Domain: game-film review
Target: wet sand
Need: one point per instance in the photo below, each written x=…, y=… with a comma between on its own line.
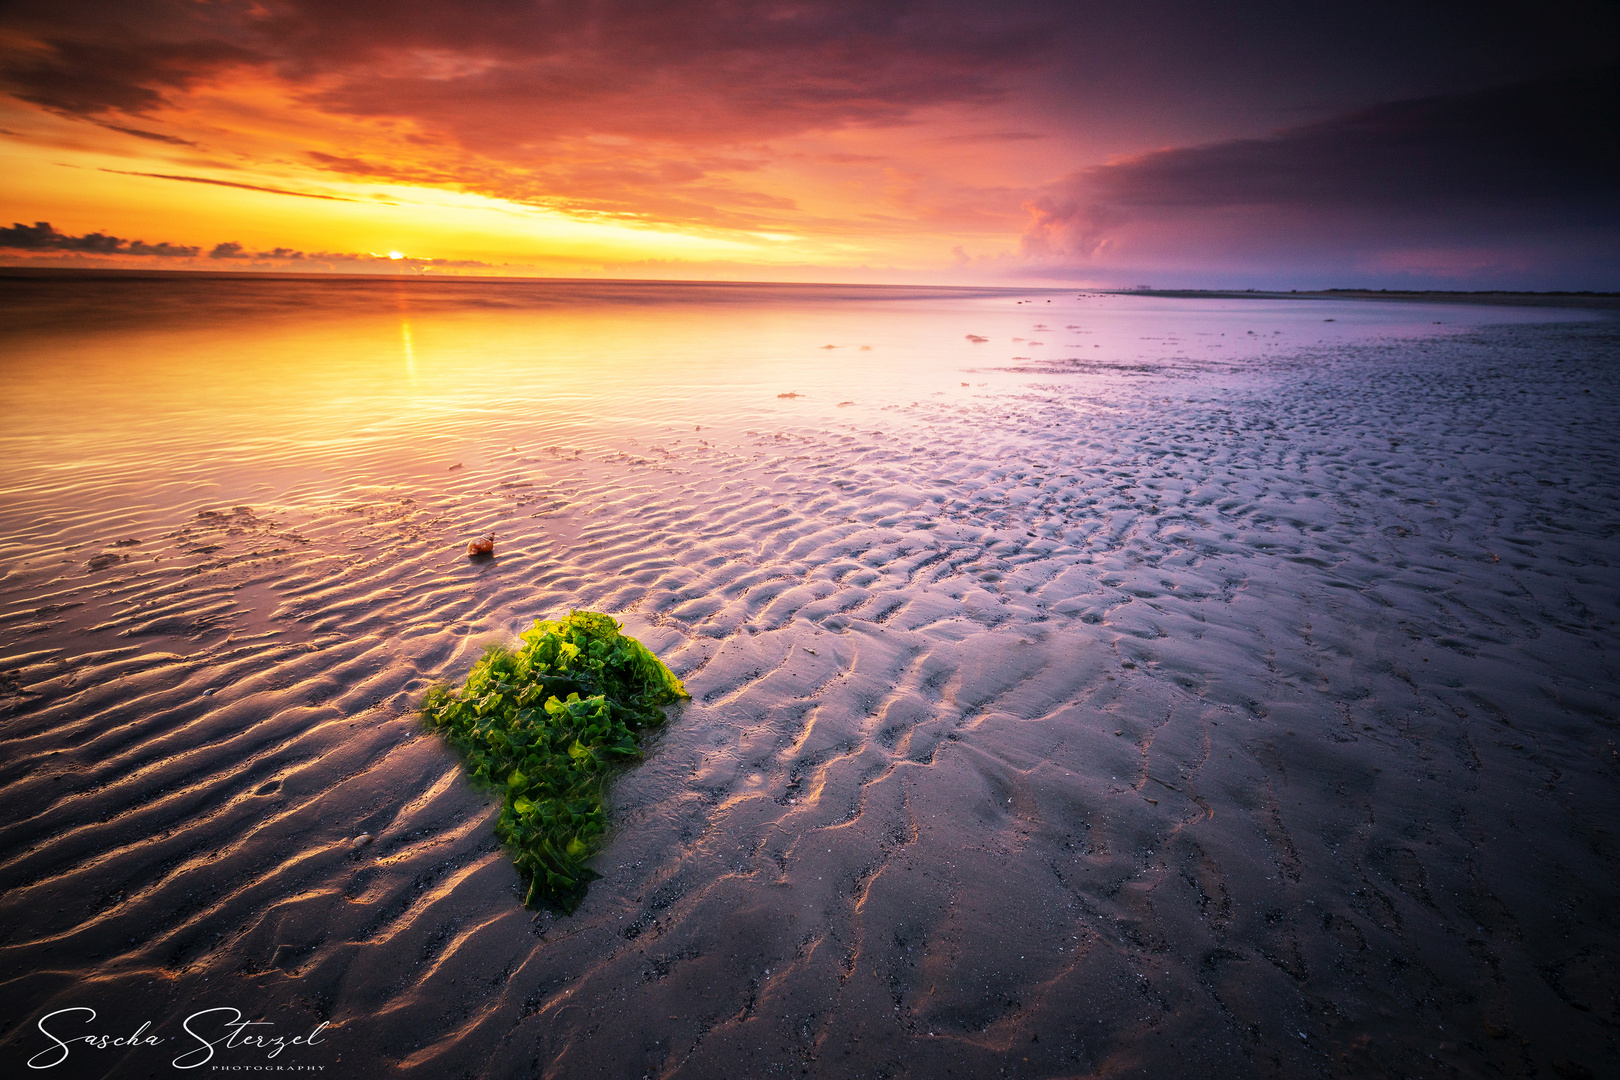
x=1167, y=715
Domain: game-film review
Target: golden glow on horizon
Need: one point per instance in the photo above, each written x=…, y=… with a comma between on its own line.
x=85, y=190
x=253, y=179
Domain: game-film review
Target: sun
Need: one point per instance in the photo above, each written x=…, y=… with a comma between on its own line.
x=396, y=254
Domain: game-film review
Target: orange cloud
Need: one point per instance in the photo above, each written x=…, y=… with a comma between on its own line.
x=919, y=135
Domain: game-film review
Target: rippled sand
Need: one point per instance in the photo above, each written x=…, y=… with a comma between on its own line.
x=1245, y=713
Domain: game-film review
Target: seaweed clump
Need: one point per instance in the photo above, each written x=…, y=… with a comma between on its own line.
x=547, y=723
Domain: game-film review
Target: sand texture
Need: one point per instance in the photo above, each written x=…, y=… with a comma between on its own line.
x=1252, y=717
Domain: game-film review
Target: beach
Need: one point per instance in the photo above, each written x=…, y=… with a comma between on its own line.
x=1156, y=686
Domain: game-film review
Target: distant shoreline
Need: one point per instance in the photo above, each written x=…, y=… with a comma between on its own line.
x=1607, y=301
x=1600, y=300
x=85, y=273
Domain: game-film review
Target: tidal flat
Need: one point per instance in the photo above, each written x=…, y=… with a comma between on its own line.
x=1081, y=684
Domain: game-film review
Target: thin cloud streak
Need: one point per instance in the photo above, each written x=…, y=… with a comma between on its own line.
x=152, y=136
x=230, y=184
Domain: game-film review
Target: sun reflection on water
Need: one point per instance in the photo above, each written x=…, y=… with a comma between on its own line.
x=240, y=380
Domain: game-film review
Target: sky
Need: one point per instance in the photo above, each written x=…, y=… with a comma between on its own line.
x=1173, y=144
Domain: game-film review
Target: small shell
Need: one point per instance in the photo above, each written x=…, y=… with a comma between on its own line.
x=484, y=545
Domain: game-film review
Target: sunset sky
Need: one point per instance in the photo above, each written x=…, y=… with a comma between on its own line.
x=1267, y=144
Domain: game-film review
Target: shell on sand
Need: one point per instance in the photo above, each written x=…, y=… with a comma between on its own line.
x=484, y=545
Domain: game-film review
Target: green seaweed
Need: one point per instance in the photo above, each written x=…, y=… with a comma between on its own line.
x=547, y=724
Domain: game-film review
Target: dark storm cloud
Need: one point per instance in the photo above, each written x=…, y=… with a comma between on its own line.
x=500, y=73
x=704, y=73
x=519, y=83
x=523, y=69
x=1504, y=161
x=76, y=76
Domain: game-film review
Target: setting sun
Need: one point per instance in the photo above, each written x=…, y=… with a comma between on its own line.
x=1031, y=143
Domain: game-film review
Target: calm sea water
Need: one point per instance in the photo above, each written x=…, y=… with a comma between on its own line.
x=248, y=384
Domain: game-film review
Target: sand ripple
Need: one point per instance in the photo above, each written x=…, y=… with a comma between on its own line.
x=1250, y=719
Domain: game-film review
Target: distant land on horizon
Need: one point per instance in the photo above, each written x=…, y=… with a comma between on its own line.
x=1548, y=298
x=1551, y=298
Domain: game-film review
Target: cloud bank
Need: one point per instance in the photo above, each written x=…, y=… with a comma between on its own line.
x=1523, y=174
x=41, y=237
x=1075, y=138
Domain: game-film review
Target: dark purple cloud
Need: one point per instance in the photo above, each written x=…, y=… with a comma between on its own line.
x=1554, y=139
x=497, y=71
x=497, y=74
x=1535, y=163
